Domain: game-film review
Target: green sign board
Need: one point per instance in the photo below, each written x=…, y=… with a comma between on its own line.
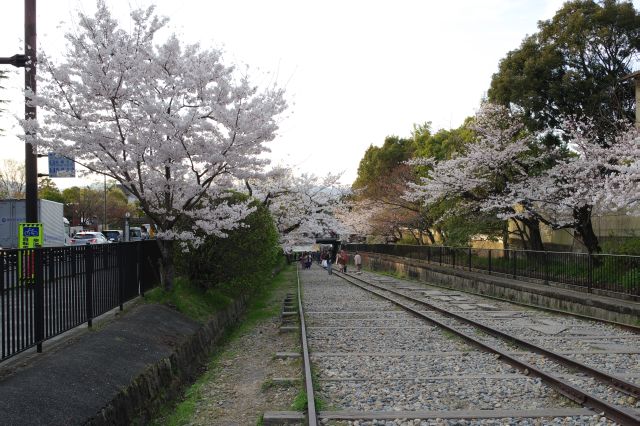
x=30, y=235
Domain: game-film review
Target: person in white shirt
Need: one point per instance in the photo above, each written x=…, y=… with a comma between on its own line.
x=357, y=259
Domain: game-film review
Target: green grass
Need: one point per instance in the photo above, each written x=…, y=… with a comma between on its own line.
x=190, y=300
x=258, y=309
x=300, y=401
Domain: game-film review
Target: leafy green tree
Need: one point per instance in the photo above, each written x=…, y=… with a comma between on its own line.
x=573, y=67
x=48, y=190
x=444, y=143
x=384, y=178
x=378, y=161
x=83, y=205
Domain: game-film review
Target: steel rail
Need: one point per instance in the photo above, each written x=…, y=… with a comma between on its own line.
x=621, y=415
x=630, y=327
x=312, y=416
x=621, y=384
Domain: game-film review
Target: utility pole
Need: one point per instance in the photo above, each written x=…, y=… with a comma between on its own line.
x=636, y=78
x=104, y=223
x=30, y=157
x=28, y=62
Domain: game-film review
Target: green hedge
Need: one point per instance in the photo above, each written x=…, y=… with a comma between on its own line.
x=238, y=263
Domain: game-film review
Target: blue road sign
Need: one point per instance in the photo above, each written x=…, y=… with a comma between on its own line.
x=30, y=231
x=61, y=166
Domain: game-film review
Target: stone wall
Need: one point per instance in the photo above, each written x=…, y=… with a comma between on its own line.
x=165, y=380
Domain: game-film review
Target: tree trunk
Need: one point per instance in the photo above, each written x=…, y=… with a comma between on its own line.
x=432, y=238
x=533, y=234
x=524, y=238
x=167, y=268
x=505, y=240
x=584, y=228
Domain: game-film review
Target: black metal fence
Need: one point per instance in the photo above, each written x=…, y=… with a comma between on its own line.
x=47, y=291
x=615, y=273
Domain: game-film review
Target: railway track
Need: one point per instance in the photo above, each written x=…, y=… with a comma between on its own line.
x=384, y=350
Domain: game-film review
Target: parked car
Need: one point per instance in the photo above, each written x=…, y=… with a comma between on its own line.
x=87, y=237
x=114, y=235
x=135, y=234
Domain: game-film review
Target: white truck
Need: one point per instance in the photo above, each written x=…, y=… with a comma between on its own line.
x=50, y=214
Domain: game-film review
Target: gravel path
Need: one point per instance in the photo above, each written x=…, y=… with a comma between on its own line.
x=370, y=356
x=573, y=336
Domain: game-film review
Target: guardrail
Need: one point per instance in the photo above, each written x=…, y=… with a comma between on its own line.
x=614, y=273
x=47, y=291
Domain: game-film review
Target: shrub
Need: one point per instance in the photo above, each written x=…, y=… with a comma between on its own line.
x=238, y=262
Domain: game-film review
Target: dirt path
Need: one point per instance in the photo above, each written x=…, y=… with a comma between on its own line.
x=241, y=389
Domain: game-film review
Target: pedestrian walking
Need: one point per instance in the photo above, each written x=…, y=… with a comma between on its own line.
x=329, y=264
x=344, y=260
x=357, y=260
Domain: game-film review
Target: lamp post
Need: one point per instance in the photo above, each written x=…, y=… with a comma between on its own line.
x=126, y=226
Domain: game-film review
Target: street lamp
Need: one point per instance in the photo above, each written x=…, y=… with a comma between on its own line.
x=126, y=226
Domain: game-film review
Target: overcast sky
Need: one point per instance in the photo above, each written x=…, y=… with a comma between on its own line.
x=354, y=71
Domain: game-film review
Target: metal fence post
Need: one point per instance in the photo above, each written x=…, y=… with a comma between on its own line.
x=453, y=257
x=121, y=274
x=74, y=260
x=138, y=281
x=105, y=257
x=469, y=258
x=88, y=281
x=39, y=298
x=489, y=261
x=515, y=259
x=429, y=254
x=590, y=274
x=546, y=268
x=441, y=248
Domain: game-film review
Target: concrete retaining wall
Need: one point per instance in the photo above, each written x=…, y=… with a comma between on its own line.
x=547, y=296
x=164, y=380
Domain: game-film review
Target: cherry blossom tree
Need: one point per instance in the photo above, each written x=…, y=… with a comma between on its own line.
x=593, y=179
x=172, y=123
x=303, y=206
x=483, y=170
x=358, y=216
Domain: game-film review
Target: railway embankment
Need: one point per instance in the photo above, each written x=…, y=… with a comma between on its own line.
x=610, y=306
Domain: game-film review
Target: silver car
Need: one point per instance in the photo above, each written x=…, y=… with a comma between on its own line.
x=86, y=237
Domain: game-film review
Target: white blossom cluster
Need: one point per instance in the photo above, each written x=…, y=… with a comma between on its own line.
x=170, y=122
x=509, y=172
x=595, y=177
x=358, y=217
x=497, y=157
x=303, y=206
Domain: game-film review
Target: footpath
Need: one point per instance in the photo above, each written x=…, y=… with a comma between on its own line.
x=77, y=380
